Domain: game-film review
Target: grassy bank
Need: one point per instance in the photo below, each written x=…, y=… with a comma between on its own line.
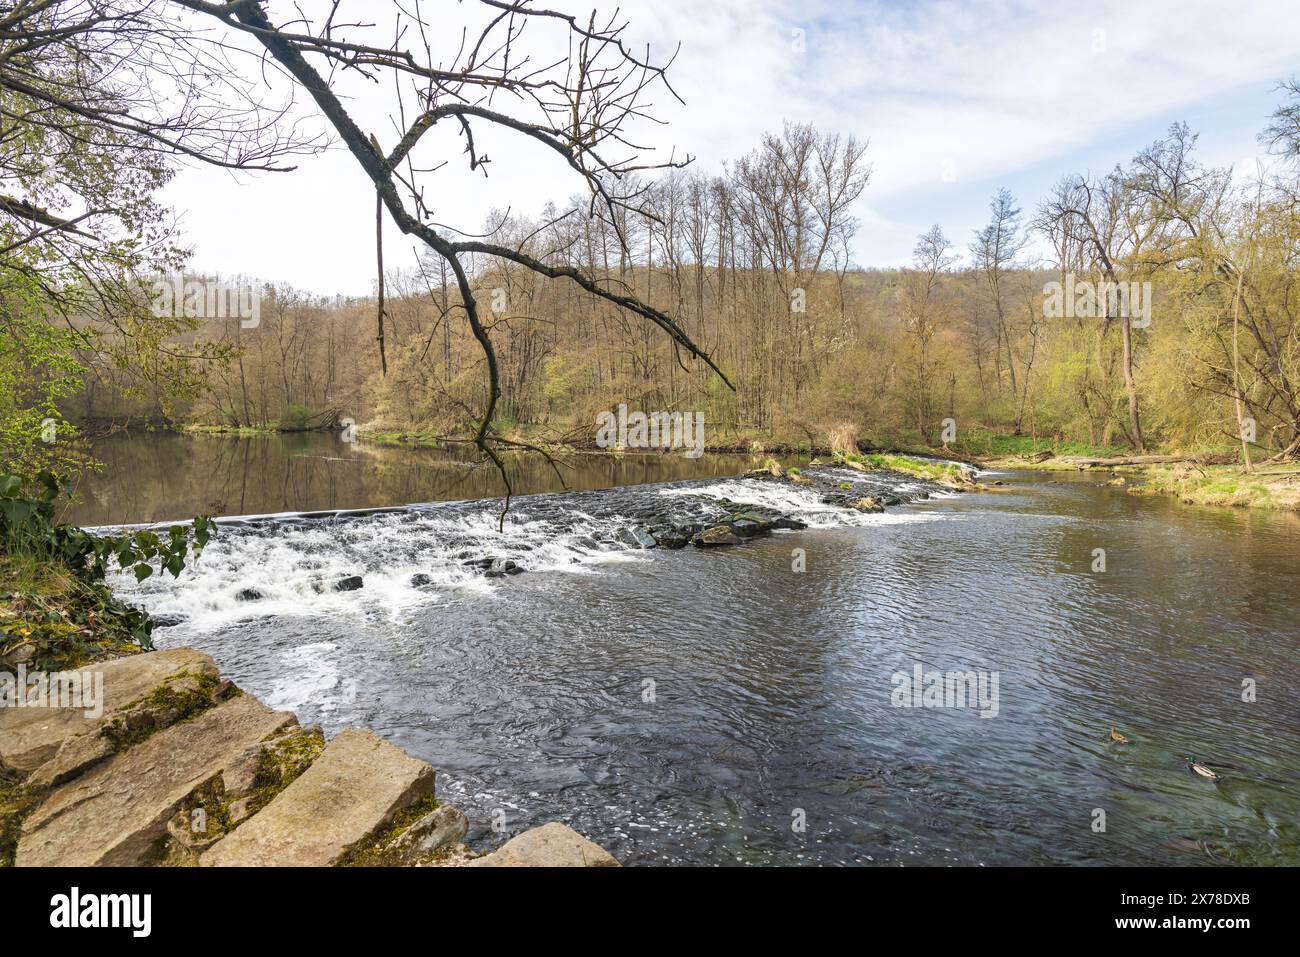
x=229, y=430
x=50, y=620
x=56, y=608
x=1000, y=450
x=945, y=473
x=1273, y=486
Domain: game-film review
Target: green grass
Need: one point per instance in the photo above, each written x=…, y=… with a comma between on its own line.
x=421, y=440
x=985, y=443
x=1276, y=487
x=28, y=575
x=230, y=430
x=60, y=621
x=944, y=472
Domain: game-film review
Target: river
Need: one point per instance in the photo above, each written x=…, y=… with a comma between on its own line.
x=723, y=706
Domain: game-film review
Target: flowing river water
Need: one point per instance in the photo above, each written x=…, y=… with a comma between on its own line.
x=722, y=706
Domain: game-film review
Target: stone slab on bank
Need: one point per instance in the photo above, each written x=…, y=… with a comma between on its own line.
x=551, y=845
x=351, y=791
x=31, y=736
x=114, y=813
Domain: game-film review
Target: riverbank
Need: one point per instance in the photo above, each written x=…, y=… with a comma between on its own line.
x=527, y=438
x=1197, y=480
x=1274, y=486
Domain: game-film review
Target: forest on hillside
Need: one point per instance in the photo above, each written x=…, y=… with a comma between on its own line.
x=1024, y=328
x=756, y=266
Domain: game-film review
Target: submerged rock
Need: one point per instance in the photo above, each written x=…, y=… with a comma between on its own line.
x=420, y=580
x=638, y=537
x=672, y=536
x=503, y=566
x=248, y=594
x=749, y=526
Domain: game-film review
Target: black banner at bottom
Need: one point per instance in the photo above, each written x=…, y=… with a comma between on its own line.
x=143, y=906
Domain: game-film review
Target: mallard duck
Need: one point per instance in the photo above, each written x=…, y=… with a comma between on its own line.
x=1198, y=768
x=1117, y=738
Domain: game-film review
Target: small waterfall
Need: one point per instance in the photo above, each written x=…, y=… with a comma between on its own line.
x=382, y=561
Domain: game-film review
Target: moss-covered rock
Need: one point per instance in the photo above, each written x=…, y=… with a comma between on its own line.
x=382, y=849
x=16, y=802
x=179, y=698
x=279, y=764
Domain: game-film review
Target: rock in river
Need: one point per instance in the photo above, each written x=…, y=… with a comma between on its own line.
x=716, y=535
x=551, y=845
x=503, y=566
x=638, y=537
x=672, y=536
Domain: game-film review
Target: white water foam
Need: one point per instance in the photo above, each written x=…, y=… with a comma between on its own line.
x=290, y=567
x=293, y=566
x=308, y=675
x=801, y=502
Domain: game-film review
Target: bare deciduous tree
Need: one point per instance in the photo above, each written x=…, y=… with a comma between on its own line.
x=582, y=106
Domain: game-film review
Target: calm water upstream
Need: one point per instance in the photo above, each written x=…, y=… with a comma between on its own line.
x=689, y=706
x=157, y=477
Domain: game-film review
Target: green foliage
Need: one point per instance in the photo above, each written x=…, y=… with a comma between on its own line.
x=944, y=472
x=296, y=417
x=77, y=303
x=38, y=369
x=82, y=610
x=27, y=526
x=986, y=443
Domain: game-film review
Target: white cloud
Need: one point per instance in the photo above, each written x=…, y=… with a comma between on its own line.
x=1002, y=90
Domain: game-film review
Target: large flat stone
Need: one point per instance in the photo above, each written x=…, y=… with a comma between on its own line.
x=31, y=736
x=351, y=791
x=113, y=814
x=551, y=845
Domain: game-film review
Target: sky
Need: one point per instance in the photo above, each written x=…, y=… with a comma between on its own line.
x=955, y=100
